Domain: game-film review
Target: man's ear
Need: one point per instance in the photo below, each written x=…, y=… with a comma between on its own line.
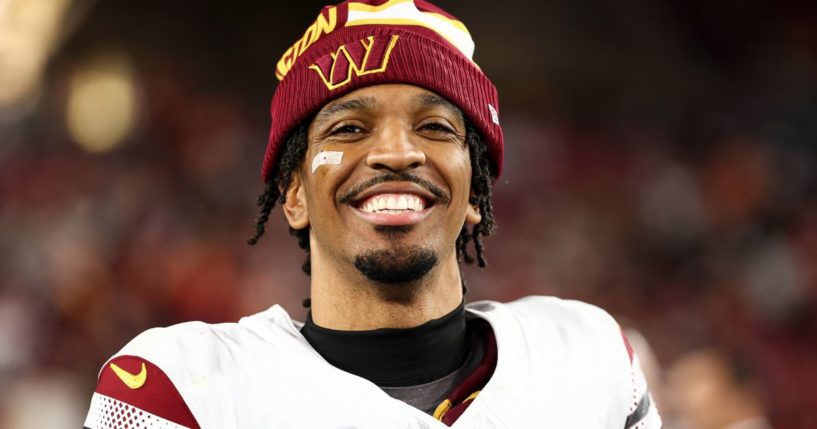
x=472, y=215
x=296, y=209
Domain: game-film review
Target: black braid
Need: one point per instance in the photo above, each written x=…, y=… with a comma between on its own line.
x=276, y=186
x=481, y=180
x=482, y=176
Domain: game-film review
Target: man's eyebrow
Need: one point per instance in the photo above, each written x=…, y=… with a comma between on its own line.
x=433, y=100
x=362, y=103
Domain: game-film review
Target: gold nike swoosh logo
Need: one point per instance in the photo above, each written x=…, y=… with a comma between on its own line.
x=134, y=381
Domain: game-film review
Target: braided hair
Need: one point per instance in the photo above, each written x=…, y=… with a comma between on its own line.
x=294, y=150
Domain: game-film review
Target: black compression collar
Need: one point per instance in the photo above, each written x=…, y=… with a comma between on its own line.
x=391, y=357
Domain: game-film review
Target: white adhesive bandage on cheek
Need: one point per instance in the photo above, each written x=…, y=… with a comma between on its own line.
x=326, y=157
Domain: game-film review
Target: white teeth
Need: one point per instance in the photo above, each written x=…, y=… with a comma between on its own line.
x=393, y=202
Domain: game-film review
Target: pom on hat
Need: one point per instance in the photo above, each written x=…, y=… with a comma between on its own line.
x=362, y=43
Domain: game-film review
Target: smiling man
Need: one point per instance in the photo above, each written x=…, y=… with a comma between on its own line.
x=383, y=222
x=384, y=144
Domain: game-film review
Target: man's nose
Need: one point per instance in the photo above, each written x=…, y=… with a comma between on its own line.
x=396, y=149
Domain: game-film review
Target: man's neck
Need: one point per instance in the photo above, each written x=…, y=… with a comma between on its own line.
x=351, y=302
x=396, y=357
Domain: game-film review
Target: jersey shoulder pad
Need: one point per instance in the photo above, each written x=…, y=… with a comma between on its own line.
x=592, y=330
x=138, y=382
x=133, y=392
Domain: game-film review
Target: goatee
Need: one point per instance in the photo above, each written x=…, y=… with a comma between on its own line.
x=396, y=265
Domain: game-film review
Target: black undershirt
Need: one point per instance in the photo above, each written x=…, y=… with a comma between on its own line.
x=391, y=357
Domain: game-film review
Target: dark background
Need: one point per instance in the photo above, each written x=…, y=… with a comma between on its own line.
x=660, y=163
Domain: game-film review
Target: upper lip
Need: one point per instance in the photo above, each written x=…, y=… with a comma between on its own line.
x=394, y=188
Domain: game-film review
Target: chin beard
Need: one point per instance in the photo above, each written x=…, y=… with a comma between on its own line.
x=396, y=265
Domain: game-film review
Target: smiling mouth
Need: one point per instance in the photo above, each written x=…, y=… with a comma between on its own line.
x=393, y=203
x=394, y=199
x=393, y=208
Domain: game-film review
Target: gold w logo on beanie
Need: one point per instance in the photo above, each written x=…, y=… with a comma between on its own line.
x=366, y=56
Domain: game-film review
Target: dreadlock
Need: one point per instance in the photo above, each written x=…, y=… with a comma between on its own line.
x=482, y=176
x=276, y=187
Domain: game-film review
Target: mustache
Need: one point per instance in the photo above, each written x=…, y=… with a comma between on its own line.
x=350, y=195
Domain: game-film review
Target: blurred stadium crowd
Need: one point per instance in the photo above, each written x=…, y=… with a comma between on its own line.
x=661, y=162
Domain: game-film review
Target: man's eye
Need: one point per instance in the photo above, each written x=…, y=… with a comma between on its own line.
x=346, y=129
x=436, y=127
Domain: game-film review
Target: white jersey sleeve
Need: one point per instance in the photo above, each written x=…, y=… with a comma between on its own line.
x=134, y=388
x=580, y=358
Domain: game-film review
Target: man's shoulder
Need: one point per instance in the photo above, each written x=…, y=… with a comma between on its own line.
x=572, y=349
x=163, y=375
x=142, y=379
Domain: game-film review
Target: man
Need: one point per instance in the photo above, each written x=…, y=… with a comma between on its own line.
x=384, y=144
x=716, y=389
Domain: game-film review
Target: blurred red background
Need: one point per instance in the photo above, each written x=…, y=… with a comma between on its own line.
x=660, y=163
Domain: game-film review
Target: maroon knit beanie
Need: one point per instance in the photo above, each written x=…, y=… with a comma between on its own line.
x=361, y=43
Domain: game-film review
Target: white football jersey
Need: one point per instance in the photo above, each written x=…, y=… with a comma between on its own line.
x=561, y=364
